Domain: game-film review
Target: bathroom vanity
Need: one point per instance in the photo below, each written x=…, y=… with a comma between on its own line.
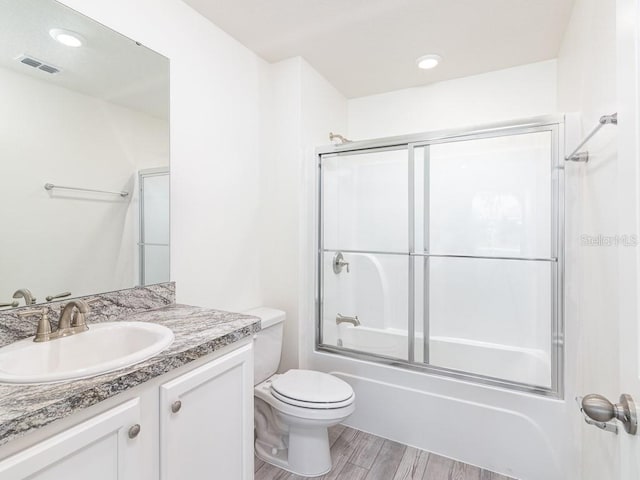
x=187, y=410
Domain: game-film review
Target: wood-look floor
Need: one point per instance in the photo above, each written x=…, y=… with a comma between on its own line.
x=360, y=456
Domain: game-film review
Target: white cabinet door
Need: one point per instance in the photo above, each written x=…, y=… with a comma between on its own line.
x=97, y=449
x=206, y=421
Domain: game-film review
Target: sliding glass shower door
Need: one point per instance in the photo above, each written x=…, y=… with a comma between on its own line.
x=444, y=254
x=365, y=255
x=484, y=255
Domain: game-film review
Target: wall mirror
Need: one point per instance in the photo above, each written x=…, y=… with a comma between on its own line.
x=84, y=146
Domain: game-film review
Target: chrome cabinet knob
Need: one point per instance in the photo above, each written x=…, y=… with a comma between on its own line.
x=600, y=409
x=176, y=406
x=134, y=430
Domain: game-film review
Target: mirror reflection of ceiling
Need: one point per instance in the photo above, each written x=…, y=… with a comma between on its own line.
x=365, y=47
x=105, y=66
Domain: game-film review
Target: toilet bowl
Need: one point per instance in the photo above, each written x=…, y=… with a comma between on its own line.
x=293, y=410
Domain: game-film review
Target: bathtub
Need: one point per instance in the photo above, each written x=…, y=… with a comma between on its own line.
x=525, y=365
x=521, y=435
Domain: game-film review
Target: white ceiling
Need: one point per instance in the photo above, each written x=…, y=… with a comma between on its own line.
x=109, y=65
x=365, y=47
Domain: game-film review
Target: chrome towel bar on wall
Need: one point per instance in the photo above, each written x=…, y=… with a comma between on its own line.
x=577, y=155
x=51, y=186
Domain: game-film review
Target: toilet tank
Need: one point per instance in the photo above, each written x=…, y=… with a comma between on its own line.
x=267, y=346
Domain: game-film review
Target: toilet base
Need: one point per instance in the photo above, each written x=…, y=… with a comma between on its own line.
x=307, y=455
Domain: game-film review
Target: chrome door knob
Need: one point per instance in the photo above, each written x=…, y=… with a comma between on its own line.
x=176, y=406
x=600, y=409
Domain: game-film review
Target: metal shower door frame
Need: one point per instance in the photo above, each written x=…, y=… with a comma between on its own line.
x=552, y=124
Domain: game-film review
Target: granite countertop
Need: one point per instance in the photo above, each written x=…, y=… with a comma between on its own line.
x=198, y=332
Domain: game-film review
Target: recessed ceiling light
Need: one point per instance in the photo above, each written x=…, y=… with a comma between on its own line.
x=427, y=62
x=66, y=37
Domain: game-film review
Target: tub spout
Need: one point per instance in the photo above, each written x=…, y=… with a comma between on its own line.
x=344, y=319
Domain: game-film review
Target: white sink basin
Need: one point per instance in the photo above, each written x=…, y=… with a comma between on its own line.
x=103, y=348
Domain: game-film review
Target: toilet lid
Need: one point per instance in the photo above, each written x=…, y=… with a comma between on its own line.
x=312, y=387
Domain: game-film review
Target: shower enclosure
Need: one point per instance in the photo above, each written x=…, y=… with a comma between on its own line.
x=444, y=252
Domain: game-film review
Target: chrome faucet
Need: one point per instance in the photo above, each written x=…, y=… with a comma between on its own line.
x=70, y=322
x=344, y=319
x=29, y=299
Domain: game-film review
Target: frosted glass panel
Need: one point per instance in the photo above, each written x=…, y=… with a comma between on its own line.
x=156, y=208
x=365, y=201
x=489, y=197
x=488, y=317
x=375, y=289
x=156, y=264
x=154, y=224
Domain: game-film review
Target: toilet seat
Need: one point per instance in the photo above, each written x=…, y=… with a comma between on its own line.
x=311, y=389
x=264, y=392
x=312, y=405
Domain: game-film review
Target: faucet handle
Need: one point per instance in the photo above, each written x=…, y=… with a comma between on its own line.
x=33, y=312
x=339, y=263
x=43, y=332
x=343, y=264
x=49, y=298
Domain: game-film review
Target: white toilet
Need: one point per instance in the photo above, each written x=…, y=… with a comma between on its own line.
x=293, y=410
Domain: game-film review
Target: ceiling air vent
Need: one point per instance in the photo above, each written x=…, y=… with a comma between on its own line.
x=35, y=63
x=48, y=69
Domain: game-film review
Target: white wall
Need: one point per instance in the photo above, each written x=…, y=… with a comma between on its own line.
x=518, y=92
x=305, y=109
x=279, y=215
x=587, y=84
x=217, y=88
x=53, y=135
